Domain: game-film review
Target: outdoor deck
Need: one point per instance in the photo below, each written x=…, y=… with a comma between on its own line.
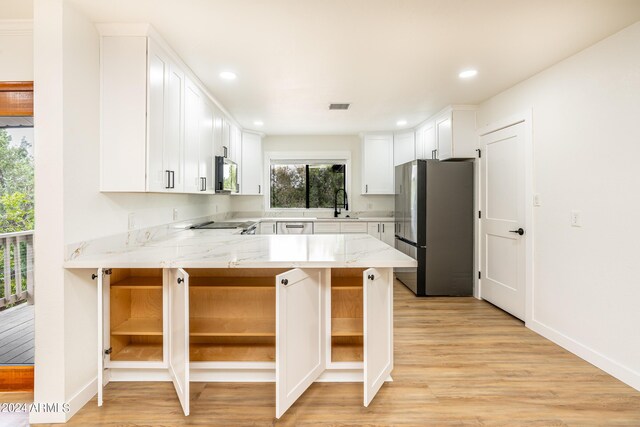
x=16, y=335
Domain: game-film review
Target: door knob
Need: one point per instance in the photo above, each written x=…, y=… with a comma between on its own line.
x=519, y=231
x=180, y=280
x=284, y=282
x=371, y=277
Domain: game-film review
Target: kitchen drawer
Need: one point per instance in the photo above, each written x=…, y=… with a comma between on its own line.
x=326, y=228
x=353, y=227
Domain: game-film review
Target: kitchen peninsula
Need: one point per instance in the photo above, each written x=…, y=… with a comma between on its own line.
x=197, y=305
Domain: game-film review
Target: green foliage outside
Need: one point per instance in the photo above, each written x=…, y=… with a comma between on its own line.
x=289, y=185
x=16, y=185
x=16, y=200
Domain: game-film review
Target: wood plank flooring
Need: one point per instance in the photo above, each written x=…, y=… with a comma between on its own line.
x=458, y=361
x=17, y=335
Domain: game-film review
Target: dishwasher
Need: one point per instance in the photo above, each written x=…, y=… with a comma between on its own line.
x=302, y=227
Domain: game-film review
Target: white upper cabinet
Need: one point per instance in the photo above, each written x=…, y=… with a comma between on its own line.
x=159, y=130
x=426, y=141
x=251, y=160
x=455, y=131
x=193, y=103
x=206, y=158
x=403, y=147
x=377, y=164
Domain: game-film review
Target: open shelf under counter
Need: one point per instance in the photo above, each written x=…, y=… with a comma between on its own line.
x=232, y=327
x=140, y=327
x=139, y=352
x=232, y=352
x=346, y=327
x=346, y=283
x=139, y=282
x=347, y=352
x=232, y=282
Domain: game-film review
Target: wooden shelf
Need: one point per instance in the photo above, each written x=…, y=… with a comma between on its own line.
x=139, y=353
x=246, y=327
x=346, y=327
x=139, y=326
x=249, y=352
x=233, y=282
x=347, y=352
x=139, y=283
x=344, y=283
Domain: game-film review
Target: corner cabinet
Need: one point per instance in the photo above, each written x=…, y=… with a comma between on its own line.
x=404, y=147
x=292, y=327
x=377, y=164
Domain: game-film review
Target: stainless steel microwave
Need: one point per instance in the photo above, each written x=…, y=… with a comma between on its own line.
x=226, y=175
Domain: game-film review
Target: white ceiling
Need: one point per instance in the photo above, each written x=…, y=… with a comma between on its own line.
x=392, y=59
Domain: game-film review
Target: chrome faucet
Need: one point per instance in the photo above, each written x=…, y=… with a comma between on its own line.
x=345, y=203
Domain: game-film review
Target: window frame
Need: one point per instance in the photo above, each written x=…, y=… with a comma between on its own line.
x=304, y=157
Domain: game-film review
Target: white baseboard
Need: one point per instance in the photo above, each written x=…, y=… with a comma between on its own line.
x=81, y=398
x=613, y=368
x=77, y=401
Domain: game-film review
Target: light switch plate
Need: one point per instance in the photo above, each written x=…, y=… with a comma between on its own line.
x=576, y=219
x=536, y=200
x=131, y=222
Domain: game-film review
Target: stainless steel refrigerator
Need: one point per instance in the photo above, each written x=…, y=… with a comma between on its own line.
x=434, y=225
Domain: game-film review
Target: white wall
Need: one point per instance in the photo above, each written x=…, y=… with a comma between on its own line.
x=69, y=207
x=357, y=202
x=586, y=143
x=16, y=55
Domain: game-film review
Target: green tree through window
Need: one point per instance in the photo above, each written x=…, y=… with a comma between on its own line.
x=305, y=186
x=16, y=184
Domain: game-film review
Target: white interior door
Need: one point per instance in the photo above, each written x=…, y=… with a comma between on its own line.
x=103, y=330
x=179, y=334
x=378, y=330
x=299, y=348
x=503, y=218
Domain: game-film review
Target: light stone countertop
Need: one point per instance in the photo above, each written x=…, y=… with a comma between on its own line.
x=224, y=249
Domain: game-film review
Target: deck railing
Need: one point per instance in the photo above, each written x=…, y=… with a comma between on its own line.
x=16, y=268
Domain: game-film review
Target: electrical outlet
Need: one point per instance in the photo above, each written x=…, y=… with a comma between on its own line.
x=576, y=219
x=131, y=223
x=175, y=214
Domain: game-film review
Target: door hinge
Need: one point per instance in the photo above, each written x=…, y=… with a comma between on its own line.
x=479, y=152
x=479, y=274
x=480, y=214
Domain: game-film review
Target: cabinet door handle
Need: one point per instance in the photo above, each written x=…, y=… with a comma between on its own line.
x=204, y=186
x=173, y=179
x=371, y=277
x=383, y=228
x=284, y=282
x=168, y=184
x=366, y=188
x=225, y=151
x=378, y=228
x=259, y=189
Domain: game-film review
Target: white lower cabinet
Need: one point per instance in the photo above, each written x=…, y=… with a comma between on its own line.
x=228, y=325
x=383, y=231
x=267, y=228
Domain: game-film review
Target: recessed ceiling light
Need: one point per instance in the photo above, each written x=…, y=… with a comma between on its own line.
x=258, y=123
x=401, y=122
x=228, y=75
x=467, y=74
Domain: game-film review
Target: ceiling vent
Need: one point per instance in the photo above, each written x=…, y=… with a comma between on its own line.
x=339, y=106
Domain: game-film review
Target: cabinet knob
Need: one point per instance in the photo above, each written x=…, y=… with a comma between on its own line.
x=284, y=282
x=371, y=277
x=180, y=280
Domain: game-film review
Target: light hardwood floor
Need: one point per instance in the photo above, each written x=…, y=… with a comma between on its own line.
x=458, y=361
